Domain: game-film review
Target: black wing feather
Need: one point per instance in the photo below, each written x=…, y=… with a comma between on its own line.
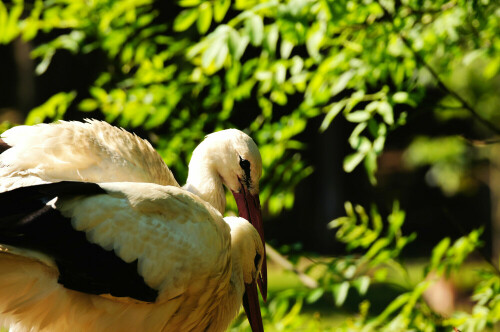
x=4, y=146
x=27, y=222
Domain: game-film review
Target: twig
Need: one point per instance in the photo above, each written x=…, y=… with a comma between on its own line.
x=279, y=259
x=462, y=232
x=479, y=142
x=443, y=86
x=440, y=83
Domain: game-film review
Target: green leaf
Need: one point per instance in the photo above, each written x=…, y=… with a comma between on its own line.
x=286, y=49
x=237, y=44
x=377, y=247
x=255, y=28
x=492, y=68
x=185, y=19
x=315, y=295
x=189, y=3
x=334, y=110
x=99, y=93
x=370, y=163
x=362, y=284
x=88, y=105
x=297, y=65
x=212, y=51
x=358, y=116
x=44, y=64
x=54, y=108
x=378, y=144
x=3, y=23
x=353, y=160
x=400, y=97
x=271, y=38
x=342, y=82
x=204, y=17
x=11, y=29
x=220, y=9
x=385, y=109
x=340, y=293
x=354, y=140
x=279, y=97
x=221, y=56
x=439, y=251
x=393, y=306
x=315, y=36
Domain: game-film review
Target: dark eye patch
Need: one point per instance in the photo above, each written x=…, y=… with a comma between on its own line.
x=257, y=260
x=245, y=165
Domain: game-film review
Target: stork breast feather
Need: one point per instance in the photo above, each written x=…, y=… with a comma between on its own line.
x=173, y=234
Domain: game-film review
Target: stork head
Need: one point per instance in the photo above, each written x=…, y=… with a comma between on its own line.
x=234, y=157
x=247, y=253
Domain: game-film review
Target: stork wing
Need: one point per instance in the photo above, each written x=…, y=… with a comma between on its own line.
x=133, y=240
x=93, y=151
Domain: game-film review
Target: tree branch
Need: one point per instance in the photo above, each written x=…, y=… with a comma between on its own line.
x=279, y=259
x=463, y=233
x=440, y=83
x=480, y=142
x=443, y=86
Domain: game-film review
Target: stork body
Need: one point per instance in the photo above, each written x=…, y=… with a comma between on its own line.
x=137, y=212
x=163, y=270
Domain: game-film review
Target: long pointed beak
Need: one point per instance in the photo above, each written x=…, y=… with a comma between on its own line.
x=249, y=208
x=252, y=307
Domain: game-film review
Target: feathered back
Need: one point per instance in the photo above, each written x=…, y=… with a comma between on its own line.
x=91, y=151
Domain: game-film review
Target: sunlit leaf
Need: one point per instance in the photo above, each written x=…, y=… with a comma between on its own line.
x=53, y=109
x=315, y=295
x=204, y=17
x=333, y=111
x=341, y=82
x=385, y=109
x=255, y=28
x=185, y=19
x=220, y=9
x=353, y=160
x=286, y=48
x=362, y=284
x=88, y=105
x=358, y=116
x=340, y=293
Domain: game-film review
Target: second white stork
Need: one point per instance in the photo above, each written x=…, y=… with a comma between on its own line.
x=95, y=151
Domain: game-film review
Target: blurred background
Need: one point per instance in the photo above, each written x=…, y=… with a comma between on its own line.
x=378, y=123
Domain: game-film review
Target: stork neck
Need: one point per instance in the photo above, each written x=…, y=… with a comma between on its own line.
x=205, y=182
x=232, y=298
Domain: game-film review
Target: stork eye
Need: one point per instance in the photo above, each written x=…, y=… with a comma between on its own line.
x=245, y=164
x=256, y=260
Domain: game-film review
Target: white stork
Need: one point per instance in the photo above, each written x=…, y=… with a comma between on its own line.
x=126, y=248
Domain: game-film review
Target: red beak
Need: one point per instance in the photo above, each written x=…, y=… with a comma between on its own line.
x=249, y=208
x=252, y=307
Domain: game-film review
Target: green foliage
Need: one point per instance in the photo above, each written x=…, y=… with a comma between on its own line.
x=448, y=158
x=359, y=230
x=377, y=247
x=52, y=109
x=359, y=60
x=485, y=313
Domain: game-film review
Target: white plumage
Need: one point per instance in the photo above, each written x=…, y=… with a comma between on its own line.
x=197, y=263
x=91, y=151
